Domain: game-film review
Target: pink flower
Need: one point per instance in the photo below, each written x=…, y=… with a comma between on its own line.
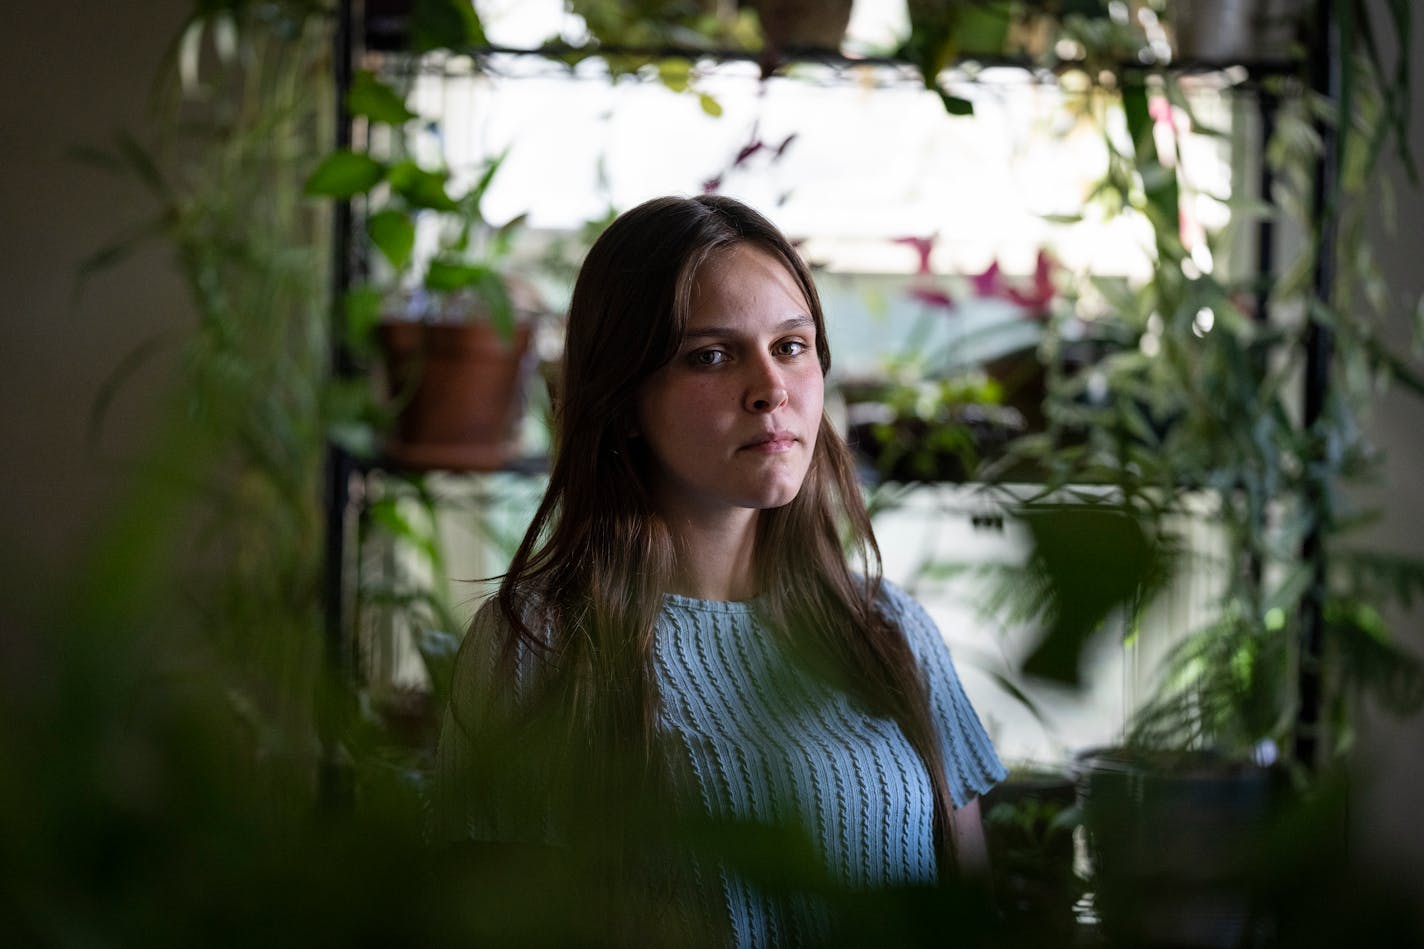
x=991, y=283
x=1160, y=109
x=747, y=151
x=1042, y=293
x=933, y=296
x=922, y=246
x=756, y=144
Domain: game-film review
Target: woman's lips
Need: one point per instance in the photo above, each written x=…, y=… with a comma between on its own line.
x=771, y=443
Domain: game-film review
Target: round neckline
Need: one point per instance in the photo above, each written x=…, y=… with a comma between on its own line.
x=709, y=606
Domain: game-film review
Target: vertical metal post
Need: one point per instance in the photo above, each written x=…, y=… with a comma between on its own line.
x=333, y=783
x=1267, y=104
x=1327, y=63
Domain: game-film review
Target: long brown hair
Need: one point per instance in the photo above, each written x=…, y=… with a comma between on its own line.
x=586, y=584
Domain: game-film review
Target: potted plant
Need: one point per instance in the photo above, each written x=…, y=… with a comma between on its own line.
x=793, y=26
x=942, y=34
x=1171, y=839
x=1029, y=823
x=914, y=429
x=940, y=413
x=652, y=24
x=1233, y=31
x=453, y=323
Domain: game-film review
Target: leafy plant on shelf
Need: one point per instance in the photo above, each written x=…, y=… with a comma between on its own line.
x=941, y=412
x=1195, y=397
x=1045, y=33
x=633, y=39
x=398, y=192
x=466, y=277
x=928, y=428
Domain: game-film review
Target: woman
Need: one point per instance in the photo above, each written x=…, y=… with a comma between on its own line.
x=684, y=592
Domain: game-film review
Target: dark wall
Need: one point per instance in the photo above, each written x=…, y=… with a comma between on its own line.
x=73, y=72
x=1392, y=750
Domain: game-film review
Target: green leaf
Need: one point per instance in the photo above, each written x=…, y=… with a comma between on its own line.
x=117, y=251
x=709, y=105
x=504, y=235
x=475, y=195
x=363, y=312
x=388, y=514
x=421, y=187
x=675, y=73
x=447, y=276
x=1398, y=369
x=983, y=28
x=134, y=360
x=1018, y=694
x=445, y=24
x=1360, y=637
x=1158, y=182
x=955, y=105
x=1090, y=560
x=143, y=164
x=1136, y=422
x=96, y=157
x=377, y=101
x=393, y=233
x=345, y=174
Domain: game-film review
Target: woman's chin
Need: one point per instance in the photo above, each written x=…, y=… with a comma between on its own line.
x=775, y=497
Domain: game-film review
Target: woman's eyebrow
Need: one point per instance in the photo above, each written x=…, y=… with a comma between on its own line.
x=725, y=332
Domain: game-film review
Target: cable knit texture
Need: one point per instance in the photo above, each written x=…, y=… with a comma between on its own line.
x=770, y=743
x=765, y=742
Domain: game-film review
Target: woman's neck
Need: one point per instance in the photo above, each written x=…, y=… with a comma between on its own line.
x=716, y=555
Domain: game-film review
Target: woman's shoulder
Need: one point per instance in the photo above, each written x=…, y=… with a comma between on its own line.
x=495, y=654
x=890, y=595
x=530, y=622
x=906, y=612
x=969, y=755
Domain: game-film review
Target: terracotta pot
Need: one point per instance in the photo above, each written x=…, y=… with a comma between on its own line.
x=1229, y=31
x=791, y=25
x=459, y=388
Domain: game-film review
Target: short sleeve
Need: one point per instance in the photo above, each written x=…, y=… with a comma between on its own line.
x=972, y=765
x=470, y=797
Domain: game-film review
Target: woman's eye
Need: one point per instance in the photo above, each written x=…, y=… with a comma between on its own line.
x=708, y=357
x=790, y=347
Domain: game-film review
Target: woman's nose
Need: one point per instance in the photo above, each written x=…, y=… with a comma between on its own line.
x=767, y=391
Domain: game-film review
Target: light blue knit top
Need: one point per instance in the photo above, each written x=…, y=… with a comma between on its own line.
x=770, y=743
x=766, y=741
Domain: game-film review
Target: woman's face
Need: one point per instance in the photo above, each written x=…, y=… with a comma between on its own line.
x=731, y=421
